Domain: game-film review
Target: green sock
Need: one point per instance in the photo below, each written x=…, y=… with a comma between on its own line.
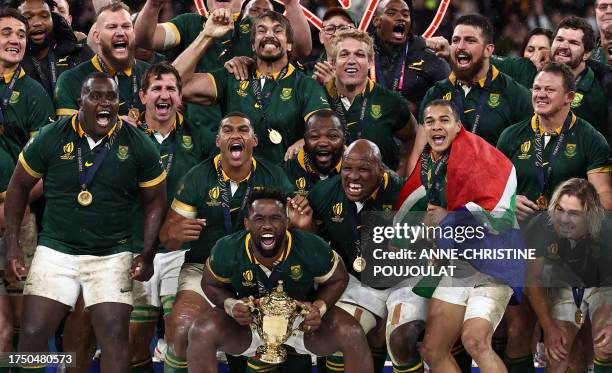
x=379, y=356
x=334, y=364
x=143, y=367
x=520, y=364
x=463, y=359
x=415, y=367
x=499, y=345
x=256, y=366
x=174, y=364
x=602, y=366
x=296, y=363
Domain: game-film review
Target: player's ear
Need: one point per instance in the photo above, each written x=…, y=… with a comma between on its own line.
x=142, y=96
x=255, y=140
x=217, y=141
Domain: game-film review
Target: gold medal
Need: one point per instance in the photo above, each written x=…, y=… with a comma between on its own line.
x=579, y=317
x=359, y=264
x=85, y=198
x=542, y=202
x=275, y=136
x=134, y=113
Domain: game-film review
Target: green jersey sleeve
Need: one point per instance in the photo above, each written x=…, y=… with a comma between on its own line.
x=41, y=108
x=220, y=79
x=429, y=96
x=36, y=154
x=220, y=263
x=66, y=93
x=321, y=259
x=597, y=153
x=504, y=141
x=312, y=97
x=185, y=27
x=187, y=195
x=151, y=171
x=400, y=106
x=522, y=107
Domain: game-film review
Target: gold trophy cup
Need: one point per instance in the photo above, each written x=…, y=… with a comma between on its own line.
x=273, y=318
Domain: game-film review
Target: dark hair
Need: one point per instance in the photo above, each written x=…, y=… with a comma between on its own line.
x=536, y=31
x=265, y=193
x=566, y=73
x=114, y=6
x=50, y=3
x=95, y=75
x=156, y=71
x=239, y=115
x=476, y=20
x=446, y=103
x=274, y=16
x=325, y=114
x=13, y=13
x=577, y=23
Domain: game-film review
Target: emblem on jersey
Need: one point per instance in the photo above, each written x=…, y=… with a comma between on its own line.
x=296, y=272
x=375, y=111
x=570, y=150
x=448, y=96
x=245, y=28
x=387, y=210
x=214, y=194
x=286, y=94
x=122, y=152
x=553, y=248
x=68, y=151
x=577, y=101
x=14, y=97
x=337, y=210
x=248, y=275
x=301, y=183
x=187, y=142
x=525, y=147
x=493, y=100
x=242, y=88
x=416, y=65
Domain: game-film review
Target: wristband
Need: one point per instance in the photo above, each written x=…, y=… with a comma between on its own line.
x=228, y=305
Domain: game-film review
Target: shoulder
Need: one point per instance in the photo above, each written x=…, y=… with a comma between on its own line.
x=306, y=242
x=233, y=242
x=325, y=189
x=188, y=17
x=142, y=66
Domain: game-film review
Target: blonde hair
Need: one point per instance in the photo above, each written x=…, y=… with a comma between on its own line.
x=357, y=35
x=591, y=204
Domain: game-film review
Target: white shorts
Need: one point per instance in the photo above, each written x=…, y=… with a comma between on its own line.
x=480, y=294
x=164, y=281
x=190, y=278
x=404, y=306
x=371, y=299
x=562, y=306
x=296, y=340
x=62, y=277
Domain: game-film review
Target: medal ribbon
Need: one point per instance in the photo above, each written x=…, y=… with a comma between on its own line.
x=400, y=70
x=578, y=294
x=262, y=99
x=543, y=177
x=277, y=271
x=134, y=79
x=433, y=184
x=173, y=144
x=52, y=70
x=367, y=206
x=460, y=102
x=8, y=92
x=85, y=178
x=338, y=108
x=225, y=190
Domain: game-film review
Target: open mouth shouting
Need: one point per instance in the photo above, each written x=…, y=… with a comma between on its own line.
x=268, y=241
x=269, y=45
x=463, y=59
x=399, y=32
x=236, y=149
x=438, y=140
x=120, y=47
x=323, y=156
x=354, y=190
x=38, y=35
x=163, y=109
x=103, y=118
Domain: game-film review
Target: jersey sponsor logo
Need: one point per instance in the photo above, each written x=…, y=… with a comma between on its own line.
x=62, y=61
x=123, y=152
x=337, y=210
x=242, y=88
x=553, y=248
x=214, y=194
x=301, y=183
x=296, y=272
x=376, y=111
x=493, y=100
x=88, y=164
x=416, y=65
x=525, y=147
x=448, y=96
x=570, y=150
x=577, y=101
x=14, y=97
x=187, y=142
x=68, y=151
x=286, y=94
x=245, y=28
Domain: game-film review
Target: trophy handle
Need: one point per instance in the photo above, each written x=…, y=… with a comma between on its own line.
x=251, y=304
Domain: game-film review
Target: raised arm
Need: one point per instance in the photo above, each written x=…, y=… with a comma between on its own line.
x=150, y=34
x=301, y=29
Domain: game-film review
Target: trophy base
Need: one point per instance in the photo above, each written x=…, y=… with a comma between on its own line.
x=272, y=355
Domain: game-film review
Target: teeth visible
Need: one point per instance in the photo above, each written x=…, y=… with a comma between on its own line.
x=267, y=235
x=12, y=50
x=351, y=71
x=163, y=105
x=104, y=112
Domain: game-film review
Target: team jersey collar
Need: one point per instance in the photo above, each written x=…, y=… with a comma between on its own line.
x=586, y=81
x=95, y=60
x=453, y=78
x=227, y=178
x=301, y=158
x=290, y=70
x=178, y=121
x=558, y=129
x=330, y=87
x=283, y=256
x=79, y=130
x=384, y=183
x=7, y=77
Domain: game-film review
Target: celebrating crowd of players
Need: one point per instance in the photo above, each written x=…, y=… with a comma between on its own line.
x=133, y=190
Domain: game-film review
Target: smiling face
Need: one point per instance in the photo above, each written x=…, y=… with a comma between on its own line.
x=468, y=52
x=324, y=142
x=393, y=22
x=270, y=42
x=568, y=48
x=331, y=26
x=441, y=128
x=361, y=171
x=114, y=36
x=569, y=218
x=606, y=43
x=548, y=95
x=38, y=15
x=12, y=41
x=162, y=97
x=535, y=44
x=99, y=106
x=351, y=61
x=267, y=222
x=236, y=141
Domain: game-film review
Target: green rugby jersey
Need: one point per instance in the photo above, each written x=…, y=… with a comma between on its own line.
x=584, y=151
x=386, y=112
x=69, y=84
x=305, y=261
x=104, y=227
x=7, y=165
x=294, y=98
x=521, y=69
x=507, y=103
x=302, y=175
x=29, y=108
x=199, y=196
x=335, y=214
x=187, y=154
